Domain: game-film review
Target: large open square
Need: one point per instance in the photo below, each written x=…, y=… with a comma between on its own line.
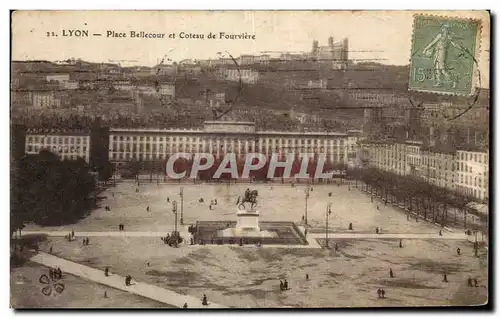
x=276, y=202
x=249, y=276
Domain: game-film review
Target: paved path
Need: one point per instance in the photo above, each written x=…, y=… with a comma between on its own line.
x=416, y=236
x=312, y=238
x=116, y=281
x=334, y=235
x=103, y=234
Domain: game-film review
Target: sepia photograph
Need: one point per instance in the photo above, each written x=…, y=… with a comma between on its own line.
x=249, y=159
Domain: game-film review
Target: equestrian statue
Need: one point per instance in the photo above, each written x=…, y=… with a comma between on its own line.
x=250, y=196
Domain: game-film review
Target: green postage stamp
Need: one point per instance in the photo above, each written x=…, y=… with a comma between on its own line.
x=443, y=55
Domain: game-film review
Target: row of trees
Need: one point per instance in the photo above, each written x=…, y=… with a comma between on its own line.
x=48, y=191
x=426, y=200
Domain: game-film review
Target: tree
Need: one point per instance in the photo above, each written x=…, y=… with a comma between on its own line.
x=48, y=191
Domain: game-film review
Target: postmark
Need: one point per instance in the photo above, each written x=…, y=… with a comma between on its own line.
x=444, y=55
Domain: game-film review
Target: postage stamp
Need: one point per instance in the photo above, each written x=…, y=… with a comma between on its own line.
x=443, y=55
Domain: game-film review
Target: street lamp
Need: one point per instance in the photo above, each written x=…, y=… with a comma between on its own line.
x=182, y=205
x=174, y=209
x=307, y=192
x=328, y=212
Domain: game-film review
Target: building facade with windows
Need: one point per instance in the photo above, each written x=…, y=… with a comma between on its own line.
x=457, y=170
x=219, y=138
x=473, y=173
x=65, y=144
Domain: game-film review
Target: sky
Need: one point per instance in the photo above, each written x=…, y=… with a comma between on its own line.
x=382, y=36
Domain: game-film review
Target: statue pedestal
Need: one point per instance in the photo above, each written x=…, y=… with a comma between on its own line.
x=247, y=220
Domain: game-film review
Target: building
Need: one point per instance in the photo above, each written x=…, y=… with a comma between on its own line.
x=460, y=170
x=335, y=53
x=219, y=138
x=69, y=85
x=65, y=144
x=353, y=138
x=167, y=90
x=247, y=76
x=438, y=168
x=123, y=85
x=22, y=97
x=57, y=78
x=472, y=173
x=146, y=90
x=247, y=59
x=45, y=100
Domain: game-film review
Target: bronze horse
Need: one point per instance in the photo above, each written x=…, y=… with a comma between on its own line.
x=251, y=197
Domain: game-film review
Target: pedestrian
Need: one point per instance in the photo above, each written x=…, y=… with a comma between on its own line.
x=307, y=276
x=148, y=264
x=204, y=301
x=458, y=250
x=72, y=233
x=469, y=282
x=168, y=199
x=88, y=240
x=147, y=209
x=106, y=271
x=50, y=250
x=285, y=284
x=83, y=241
x=303, y=218
x=383, y=293
x=376, y=230
x=350, y=226
x=475, y=282
x=445, y=277
x=105, y=294
x=281, y=285
x=58, y=273
x=379, y=293
x=440, y=233
x=391, y=273
x=400, y=243
x=185, y=305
